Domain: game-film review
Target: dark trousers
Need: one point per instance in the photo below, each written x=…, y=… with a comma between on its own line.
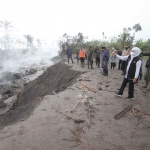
x=131, y=87
x=119, y=64
x=123, y=65
x=70, y=57
x=113, y=65
x=97, y=62
x=90, y=62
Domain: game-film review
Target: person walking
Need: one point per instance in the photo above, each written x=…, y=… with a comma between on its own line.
x=82, y=55
x=69, y=54
x=105, y=59
x=131, y=71
x=97, y=56
x=77, y=55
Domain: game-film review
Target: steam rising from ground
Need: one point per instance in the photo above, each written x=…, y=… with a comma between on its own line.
x=19, y=60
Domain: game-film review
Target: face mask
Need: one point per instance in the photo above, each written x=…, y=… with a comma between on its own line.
x=132, y=54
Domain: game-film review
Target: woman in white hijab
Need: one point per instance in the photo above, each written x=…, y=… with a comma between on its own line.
x=132, y=69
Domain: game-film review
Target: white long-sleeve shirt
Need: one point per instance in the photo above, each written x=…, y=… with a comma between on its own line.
x=138, y=65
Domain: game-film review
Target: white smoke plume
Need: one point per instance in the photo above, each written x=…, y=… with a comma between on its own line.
x=19, y=60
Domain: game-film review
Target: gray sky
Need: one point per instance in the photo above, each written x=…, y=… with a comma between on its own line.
x=52, y=18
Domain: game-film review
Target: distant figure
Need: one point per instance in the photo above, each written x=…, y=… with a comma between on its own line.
x=90, y=57
x=105, y=59
x=131, y=71
x=77, y=55
x=113, y=60
x=82, y=56
x=147, y=72
x=97, y=56
x=69, y=54
x=125, y=52
x=120, y=61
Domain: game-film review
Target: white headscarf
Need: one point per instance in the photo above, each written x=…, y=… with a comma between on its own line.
x=136, y=52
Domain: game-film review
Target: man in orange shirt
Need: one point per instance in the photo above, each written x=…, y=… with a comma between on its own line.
x=82, y=55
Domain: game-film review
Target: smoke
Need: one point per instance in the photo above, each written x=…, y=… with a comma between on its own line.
x=19, y=60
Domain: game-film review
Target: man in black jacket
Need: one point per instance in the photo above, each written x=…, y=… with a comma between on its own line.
x=132, y=69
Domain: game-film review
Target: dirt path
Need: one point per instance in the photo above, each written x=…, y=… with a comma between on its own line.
x=48, y=129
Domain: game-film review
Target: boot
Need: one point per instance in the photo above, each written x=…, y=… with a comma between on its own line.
x=106, y=73
x=148, y=86
x=145, y=84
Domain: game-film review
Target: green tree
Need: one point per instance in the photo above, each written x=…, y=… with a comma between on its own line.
x=128, y=35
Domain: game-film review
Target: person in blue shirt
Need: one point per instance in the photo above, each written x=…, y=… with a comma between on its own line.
x=69, y=54
x=105, y=59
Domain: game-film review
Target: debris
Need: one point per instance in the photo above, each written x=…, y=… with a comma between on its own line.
x=54, y=92
x=119, y=115
x=133, y=111
x=144, y=112
x=75, y=134
x=7, y=136
x=89, y=116
x=75, y=120
x=107, y=85
x=78, y=101
x=100, y=88
x=75, y=145
x=84, y=79
x=91, y=89
x=79, y=121
x=112, y=144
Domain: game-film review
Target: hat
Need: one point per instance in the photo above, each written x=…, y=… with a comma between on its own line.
x=103, y=47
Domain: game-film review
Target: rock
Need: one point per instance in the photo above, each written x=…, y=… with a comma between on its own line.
x=2, y=105
x=7, y=89
x=10, y=100
x=31, y=71
x=100, y=88
x=17, y=75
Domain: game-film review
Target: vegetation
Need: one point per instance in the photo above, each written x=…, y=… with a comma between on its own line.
x=127, y=37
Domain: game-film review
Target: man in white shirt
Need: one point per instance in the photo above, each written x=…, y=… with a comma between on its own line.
x=132, y=69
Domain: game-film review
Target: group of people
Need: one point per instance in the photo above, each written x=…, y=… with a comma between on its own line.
x=130, y=62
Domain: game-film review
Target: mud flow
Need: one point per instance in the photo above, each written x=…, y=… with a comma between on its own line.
x=55, y=79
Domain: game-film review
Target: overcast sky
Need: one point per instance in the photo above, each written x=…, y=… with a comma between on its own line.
x=52, y=18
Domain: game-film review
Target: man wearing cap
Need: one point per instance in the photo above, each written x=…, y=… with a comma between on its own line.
x=131, y=71
x=105, y=58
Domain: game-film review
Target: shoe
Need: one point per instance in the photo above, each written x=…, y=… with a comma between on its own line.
x=119, y=95
x=129, y=98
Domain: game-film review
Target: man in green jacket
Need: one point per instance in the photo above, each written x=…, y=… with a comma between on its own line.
x=90, y=57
